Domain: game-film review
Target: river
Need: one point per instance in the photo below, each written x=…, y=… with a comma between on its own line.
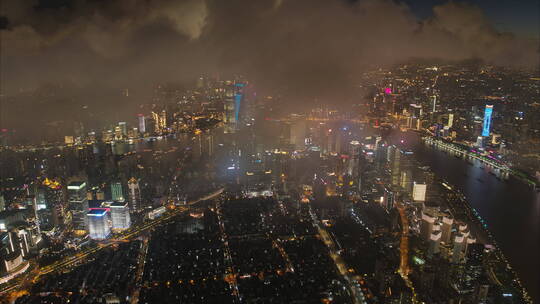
x=510, y=208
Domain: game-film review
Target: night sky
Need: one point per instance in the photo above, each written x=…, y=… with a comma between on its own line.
x=316, y=46
x=519, y=17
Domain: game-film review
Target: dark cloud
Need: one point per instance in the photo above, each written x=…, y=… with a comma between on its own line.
x=312, y=47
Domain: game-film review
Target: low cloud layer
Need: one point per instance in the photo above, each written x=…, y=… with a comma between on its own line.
x=315, y=47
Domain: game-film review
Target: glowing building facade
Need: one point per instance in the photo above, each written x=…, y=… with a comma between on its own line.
x=419, y=192
x=142, y=123
x=134, y=195
x=120, y=215
x=233, y=100
x=78, y=204
x=117, y=192
x=487, y=120
x=98, y=224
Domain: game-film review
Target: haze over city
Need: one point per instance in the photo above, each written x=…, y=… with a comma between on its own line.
x=279, y=151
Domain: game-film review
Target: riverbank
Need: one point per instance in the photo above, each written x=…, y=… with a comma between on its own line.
x=461, y=151
x=509, y=208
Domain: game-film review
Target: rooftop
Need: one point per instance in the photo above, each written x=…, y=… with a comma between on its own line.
x=97, y=212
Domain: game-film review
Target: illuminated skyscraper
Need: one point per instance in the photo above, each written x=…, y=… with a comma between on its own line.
x=354, y=160
x=142, y=123
x=98, y=224
x=120, y=215
x=116, y=192
x=118, y=135
x=447, y=222
x=419, y=192
x=233, y=101
x=450, y=120
x=11, y=257
x=160, y=121
x=426, y=227
x=163, y=120
x=155, y=119
x=434, y=101
x=134, y=195
x=406, y=180
x=460, y=243
x=107, y=135
x=52, y=204
x=228, y=114
x=487, y=120
x=393, y=157
x=416, y=113
x=400, y=166
x=78, y=204
x=388, y=200
x=123, y=127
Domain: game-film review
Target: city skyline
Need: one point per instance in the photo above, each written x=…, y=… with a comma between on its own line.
x=284, y=151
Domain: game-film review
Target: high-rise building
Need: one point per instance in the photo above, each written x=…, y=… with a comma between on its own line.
x=11, y=257
x=233, y=101
x=400, y=160
x=388, y=200
x=100, y=195
x=134, y=195
x=460, y=243
x=155, y=120
x=200, y=82
x=142, y=123
x=107, y=135
x=426, y=226
x=120, y=215
x=466, y=277
x=98, y=224
x=406, y=180
x=27, y=239
x=160, y=121
x=298, y=134
x=354, y=159
x=447, y=222
x=133, y=133
x=210, y=144
x=118, y=134
x=117, y=193
x=163, y=120
x=480, y=142
x=78, y=205
x=450, y=120
x=486, y=128
x=123, y=127
x=393, y=157
x=419, y=192
x=52, y=204
x=434, y=242
x=415, y=110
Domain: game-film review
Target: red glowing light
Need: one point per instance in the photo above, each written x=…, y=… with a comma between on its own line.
x=388, y=91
